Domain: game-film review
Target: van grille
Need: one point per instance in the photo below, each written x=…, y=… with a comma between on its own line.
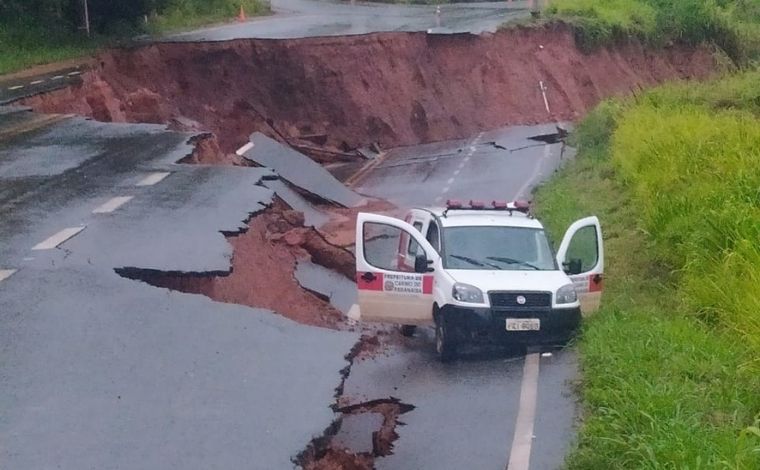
x=509, y=299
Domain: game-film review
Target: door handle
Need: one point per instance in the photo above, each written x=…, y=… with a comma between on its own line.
x=368, y=277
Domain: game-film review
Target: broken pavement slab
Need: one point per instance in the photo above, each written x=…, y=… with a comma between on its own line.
x=330, y=284
x=300, y=170
x=313, y=217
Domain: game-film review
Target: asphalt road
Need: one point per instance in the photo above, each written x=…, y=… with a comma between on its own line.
x=310, y=18
x=14, y=89
x=466, y=413
x=98, y=371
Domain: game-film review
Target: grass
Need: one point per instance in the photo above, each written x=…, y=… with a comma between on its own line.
x=669, y=364
x=732, y=25
x=25, y=46
x=185, y=14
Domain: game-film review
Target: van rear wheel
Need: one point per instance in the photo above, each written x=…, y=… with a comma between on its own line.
x=445, y=346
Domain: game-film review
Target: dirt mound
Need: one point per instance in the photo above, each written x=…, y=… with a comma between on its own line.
x=346, y=92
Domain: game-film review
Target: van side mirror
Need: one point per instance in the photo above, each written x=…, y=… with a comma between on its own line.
x=574, y=266
x=422, y=264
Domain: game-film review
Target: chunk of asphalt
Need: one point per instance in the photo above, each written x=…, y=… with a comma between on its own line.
x=312, y=216
x=340, y=291
x=300, y=170
x=356, y=432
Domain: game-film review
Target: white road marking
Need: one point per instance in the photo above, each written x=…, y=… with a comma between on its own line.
x=519, y=456
x=536, y=172
x=58, y=238
x=473, y=148
x=445, y=189
x=242, y=150
x=71, y=74
x=29, y=258
x=153, y=178
x=6, y=273
x=439, y=199
x=36, y=82
x=112, y=204
x=456, y=172
x=57, y=77
x=17, y=87
x=451, y=180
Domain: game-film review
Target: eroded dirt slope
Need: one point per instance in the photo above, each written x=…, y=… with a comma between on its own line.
x=345, y=92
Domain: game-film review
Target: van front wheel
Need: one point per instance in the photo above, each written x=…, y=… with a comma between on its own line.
x=445, y=346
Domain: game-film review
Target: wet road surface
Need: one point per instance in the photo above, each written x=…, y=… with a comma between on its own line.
x=99, y=371
x=309, y=18
x=13, y=89
x=466, y=413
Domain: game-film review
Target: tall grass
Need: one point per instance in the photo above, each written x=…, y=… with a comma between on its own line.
x=732, y=25
x=695, y=174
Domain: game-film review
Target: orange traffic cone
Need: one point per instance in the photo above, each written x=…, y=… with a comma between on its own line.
x=241, y=16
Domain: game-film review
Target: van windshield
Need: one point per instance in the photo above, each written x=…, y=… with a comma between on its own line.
x=501, y=248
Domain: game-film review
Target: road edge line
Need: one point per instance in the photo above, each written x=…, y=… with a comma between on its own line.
x=519, y=455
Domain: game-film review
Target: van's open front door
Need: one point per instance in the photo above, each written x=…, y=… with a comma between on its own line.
x=390, y=291
x=581, y=255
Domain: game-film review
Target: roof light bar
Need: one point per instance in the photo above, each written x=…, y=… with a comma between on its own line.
x=521, y=205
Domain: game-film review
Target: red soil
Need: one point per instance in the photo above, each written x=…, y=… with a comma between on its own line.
x=391, y=88
x=262, y=274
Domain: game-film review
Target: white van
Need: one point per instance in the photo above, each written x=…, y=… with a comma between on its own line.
x=477, y=273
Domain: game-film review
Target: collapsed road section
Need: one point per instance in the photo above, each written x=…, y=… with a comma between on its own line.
x=331, y=96
x=229, y=383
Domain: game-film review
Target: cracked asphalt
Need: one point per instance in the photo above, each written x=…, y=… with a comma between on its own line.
x=98, y=371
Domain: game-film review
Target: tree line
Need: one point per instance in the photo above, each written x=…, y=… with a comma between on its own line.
x=104, y=15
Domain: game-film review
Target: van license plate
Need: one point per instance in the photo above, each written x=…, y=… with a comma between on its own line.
x=523, y=324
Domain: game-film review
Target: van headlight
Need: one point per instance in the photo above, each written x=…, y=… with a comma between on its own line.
x=467, y=293
x=566, y=295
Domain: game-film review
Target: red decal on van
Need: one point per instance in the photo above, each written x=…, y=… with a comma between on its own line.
x=427, y=284
x=369, y=281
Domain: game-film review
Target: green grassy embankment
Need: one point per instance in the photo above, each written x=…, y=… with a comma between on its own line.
x=671, y=364
x=732, y=25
